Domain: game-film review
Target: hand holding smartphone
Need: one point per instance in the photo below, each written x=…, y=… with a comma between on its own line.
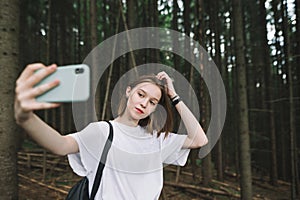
x=74, y=84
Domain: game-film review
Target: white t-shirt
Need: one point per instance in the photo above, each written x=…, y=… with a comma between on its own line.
x=134, y=166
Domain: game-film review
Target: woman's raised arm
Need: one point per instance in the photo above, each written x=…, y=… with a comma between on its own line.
x=25, y=105
x=196, y=136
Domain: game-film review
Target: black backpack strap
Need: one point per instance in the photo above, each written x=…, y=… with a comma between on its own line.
x=102, y=162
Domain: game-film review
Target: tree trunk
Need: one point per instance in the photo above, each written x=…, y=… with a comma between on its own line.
x=87, y=35
x=293, y=146
x=153, y=9
x=267, y=87
x=9, y=50
x=297, y=7
x=93, y=15
x=256, y=86
x=176, y=60
x=65, y=56
x=94, y=43
x=204, y=112
x=297, y=71
x=131, y=23
x=280, y=91
x=261, y=61
x=245, y=156
x=217, y=58
x=131, y=58
x=204, y=107
x=131, y=13
x=109, y=77
x=187, y=31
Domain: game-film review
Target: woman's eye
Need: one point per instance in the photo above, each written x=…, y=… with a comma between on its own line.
x=152, y=103
x=141, y=95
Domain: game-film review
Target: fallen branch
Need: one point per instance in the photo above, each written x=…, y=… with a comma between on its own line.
x=181, y=172
x=213, y=181
x=284, y=182
x=203, y=189
x=202, y=196
x=268, y=187
x=38, y=154
x=231, y=174
x=226, y=185
x=41, y=166
x=43, y=184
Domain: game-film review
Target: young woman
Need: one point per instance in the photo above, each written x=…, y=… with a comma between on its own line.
x=142, y=142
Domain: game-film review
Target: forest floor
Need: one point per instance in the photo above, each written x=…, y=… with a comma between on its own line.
x=59, y=178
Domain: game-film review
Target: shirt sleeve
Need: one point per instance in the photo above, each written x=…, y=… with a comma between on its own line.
x=172, y=151
x=91, y=143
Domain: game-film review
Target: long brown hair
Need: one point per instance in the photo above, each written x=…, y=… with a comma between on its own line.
x=154, y=120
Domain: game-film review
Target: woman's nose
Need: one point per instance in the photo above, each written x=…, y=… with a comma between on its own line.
x=144, y=103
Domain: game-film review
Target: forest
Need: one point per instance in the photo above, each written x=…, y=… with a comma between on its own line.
x=254, y=44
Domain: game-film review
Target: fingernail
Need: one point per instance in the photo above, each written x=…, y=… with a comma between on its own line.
x=53, y=66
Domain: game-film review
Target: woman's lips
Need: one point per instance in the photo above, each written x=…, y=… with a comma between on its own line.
x=139, y=111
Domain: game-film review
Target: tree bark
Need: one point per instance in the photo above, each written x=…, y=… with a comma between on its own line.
x=130, y=23
x=261, y=61
x=297, y=7
x=297, y=88
x=109, y=77
x=176, y=60
x=93, y=15
x=204, y=107
x=94, y=43
x=245, y=156
x=187, y=31
x=267, y=85
x=293, y=146
x=280, y=92
x=217, y=59
x=87, y=37
x=154, y=53
x=9, y=51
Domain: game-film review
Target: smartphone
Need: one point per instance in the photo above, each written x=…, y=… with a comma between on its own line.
x=74, y=84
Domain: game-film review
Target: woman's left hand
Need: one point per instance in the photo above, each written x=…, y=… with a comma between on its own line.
x=169, y=82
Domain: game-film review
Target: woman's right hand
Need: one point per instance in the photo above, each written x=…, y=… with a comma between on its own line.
x=25, y=102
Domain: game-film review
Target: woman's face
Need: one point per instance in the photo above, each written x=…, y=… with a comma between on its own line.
x=142, y=100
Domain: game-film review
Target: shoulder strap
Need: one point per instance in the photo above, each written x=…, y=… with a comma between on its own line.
x=102, y=162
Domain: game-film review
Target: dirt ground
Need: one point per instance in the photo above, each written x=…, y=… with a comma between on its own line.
x=36, y=192
x=59, y=178
x=29, y=190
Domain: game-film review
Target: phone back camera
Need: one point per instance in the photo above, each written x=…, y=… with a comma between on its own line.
x=79, y=70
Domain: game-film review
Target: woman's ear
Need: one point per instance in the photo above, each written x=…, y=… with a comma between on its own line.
x=128, y=90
